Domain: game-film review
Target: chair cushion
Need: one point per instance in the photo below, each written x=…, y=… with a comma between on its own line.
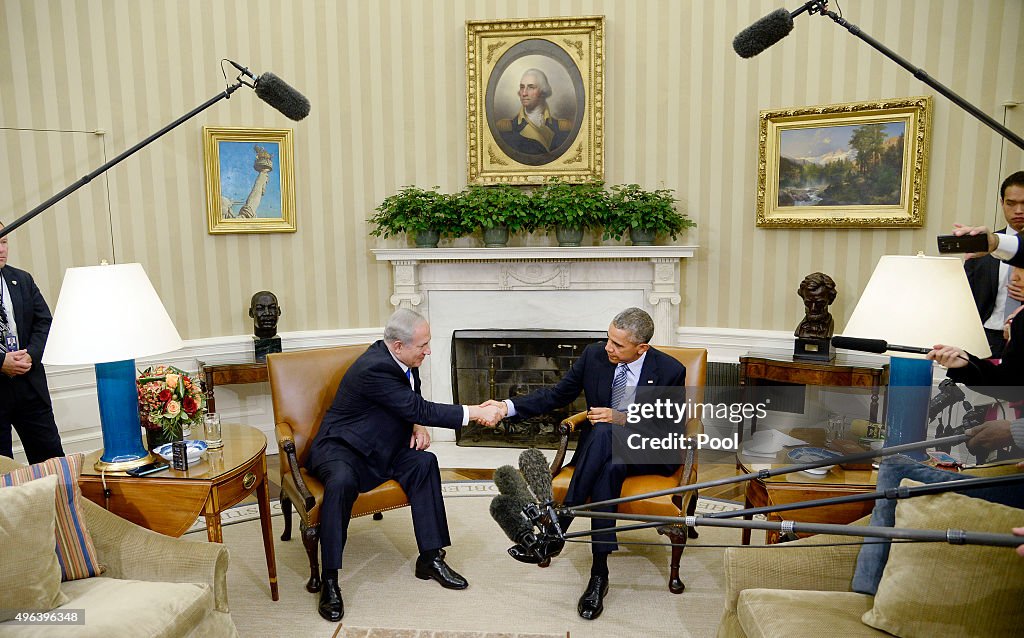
x=30, y=577
x=386, y=496
x=633, y=485
x=75, y=549
x=786, y=613
x=937, y=589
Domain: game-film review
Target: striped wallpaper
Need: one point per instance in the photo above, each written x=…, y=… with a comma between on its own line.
x=83, y=80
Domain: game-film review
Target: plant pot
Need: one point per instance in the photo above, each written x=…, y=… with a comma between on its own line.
x=496, y=237
x=568, y=237
x=641, y=237
x=427, y=238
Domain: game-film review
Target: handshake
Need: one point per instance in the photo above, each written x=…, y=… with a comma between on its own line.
x=488, y=413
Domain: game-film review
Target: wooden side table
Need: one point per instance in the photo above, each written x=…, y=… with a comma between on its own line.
x=169, y=502
x=782, y=367
x=801, y=486
x=229, y=373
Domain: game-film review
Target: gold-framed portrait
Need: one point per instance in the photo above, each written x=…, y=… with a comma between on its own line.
x=535, y=100
x=250, y=180
x=853, y=165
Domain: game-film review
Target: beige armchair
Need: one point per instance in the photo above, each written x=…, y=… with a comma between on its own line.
x=696, y=362
x=152, y=584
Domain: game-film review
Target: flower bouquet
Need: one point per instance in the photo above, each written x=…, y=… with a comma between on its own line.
x=169, y=399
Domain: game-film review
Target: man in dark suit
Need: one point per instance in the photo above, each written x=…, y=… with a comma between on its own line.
x=374, y=431
x=609, y=376
x=24, y=397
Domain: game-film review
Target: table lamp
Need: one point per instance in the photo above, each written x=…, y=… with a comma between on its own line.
x=916, y=301
x=108, y=315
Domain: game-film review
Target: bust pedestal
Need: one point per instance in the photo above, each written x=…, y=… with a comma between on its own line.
x=266, y=346
x=814, y=349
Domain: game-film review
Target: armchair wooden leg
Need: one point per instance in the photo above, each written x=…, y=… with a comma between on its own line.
x=286, y=511
x=677, y=536
x=691, y=532
x=311, y=541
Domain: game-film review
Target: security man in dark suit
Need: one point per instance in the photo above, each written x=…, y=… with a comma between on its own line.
x=374, y=431
x=24, y=396
x=609, y=375
x=995, y=296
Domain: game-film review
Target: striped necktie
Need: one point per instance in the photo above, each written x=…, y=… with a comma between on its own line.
x=619, y=387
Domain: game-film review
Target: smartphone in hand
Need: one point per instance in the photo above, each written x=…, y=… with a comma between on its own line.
x=963, y=243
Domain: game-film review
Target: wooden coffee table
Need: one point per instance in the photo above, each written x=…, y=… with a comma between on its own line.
x=801, y=486
x=170, y=501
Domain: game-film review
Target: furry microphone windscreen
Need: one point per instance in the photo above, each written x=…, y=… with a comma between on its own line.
x=763, y=33
x=509, y=481
x=534, y=466
x=280, y=95
x=507, y=512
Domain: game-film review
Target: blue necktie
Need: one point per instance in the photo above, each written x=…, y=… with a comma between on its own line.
x=619, y=387
x=408, y=375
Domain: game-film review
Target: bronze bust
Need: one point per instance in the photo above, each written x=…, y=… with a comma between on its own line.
x=818, y=292
x=264, y=310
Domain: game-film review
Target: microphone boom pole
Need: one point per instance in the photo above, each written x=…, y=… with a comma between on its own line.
x=226, y=94
x=920, y=74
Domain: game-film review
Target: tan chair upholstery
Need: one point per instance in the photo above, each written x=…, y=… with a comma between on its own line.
x=302, y=386
x=696, y=362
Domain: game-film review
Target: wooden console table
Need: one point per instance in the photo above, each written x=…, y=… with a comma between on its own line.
x=802, y=486
x=170, y=501
x=782, y=367
x=229, y=373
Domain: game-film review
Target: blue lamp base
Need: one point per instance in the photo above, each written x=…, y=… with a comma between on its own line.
x=910, y=388
x=119, y=417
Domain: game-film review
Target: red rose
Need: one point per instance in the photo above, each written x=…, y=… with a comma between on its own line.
x=165, y=395
x=189, y=405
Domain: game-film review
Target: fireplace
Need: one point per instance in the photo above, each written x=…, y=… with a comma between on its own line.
x=504, y=364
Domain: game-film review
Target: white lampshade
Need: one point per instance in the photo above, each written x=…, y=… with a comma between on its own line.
x=919, y=301
x=108, y=313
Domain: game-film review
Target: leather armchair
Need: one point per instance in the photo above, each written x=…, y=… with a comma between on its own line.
x=302, y=387
x=696, y=362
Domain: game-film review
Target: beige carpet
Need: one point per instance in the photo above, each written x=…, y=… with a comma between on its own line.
x=504, y=596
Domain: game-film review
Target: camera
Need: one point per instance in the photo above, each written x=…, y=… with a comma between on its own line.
x=949, y=394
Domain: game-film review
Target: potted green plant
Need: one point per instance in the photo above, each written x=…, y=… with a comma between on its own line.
x=645, y=214
x=570, y=209
x=498, y=210
x=426, y=214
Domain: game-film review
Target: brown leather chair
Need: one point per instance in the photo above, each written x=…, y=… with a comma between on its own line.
x=303, y=385
x=696, y=362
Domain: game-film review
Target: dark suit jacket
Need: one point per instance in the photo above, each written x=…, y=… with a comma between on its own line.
x=592, y=374
x=374, y=410
x=33, y=318
x=983, y=276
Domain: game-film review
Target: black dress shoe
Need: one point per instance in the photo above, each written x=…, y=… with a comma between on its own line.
x=592, y=601
x=331, y=606
x=440, y=571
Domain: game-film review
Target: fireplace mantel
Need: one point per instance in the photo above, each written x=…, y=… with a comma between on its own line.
x=578, y=288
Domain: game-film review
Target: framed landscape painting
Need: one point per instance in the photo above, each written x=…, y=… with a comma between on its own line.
x=854, y=165
x=250, y=183
x=535, y=100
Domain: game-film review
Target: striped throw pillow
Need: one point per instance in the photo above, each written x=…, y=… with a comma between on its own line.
x=75, y=550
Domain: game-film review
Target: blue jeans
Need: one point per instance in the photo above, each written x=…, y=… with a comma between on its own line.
x=875, y=552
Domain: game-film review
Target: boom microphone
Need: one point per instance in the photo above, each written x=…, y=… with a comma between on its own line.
x=280, y=95
x=537, y=474
x=878, y=346
x=510, y=482
x=763, y=33
x=507, y=512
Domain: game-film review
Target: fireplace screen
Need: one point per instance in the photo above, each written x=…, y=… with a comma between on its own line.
x=504, y=364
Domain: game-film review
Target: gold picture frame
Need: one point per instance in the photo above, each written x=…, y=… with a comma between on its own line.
x=567, y=141
x=811, y=173
x=250, y=180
